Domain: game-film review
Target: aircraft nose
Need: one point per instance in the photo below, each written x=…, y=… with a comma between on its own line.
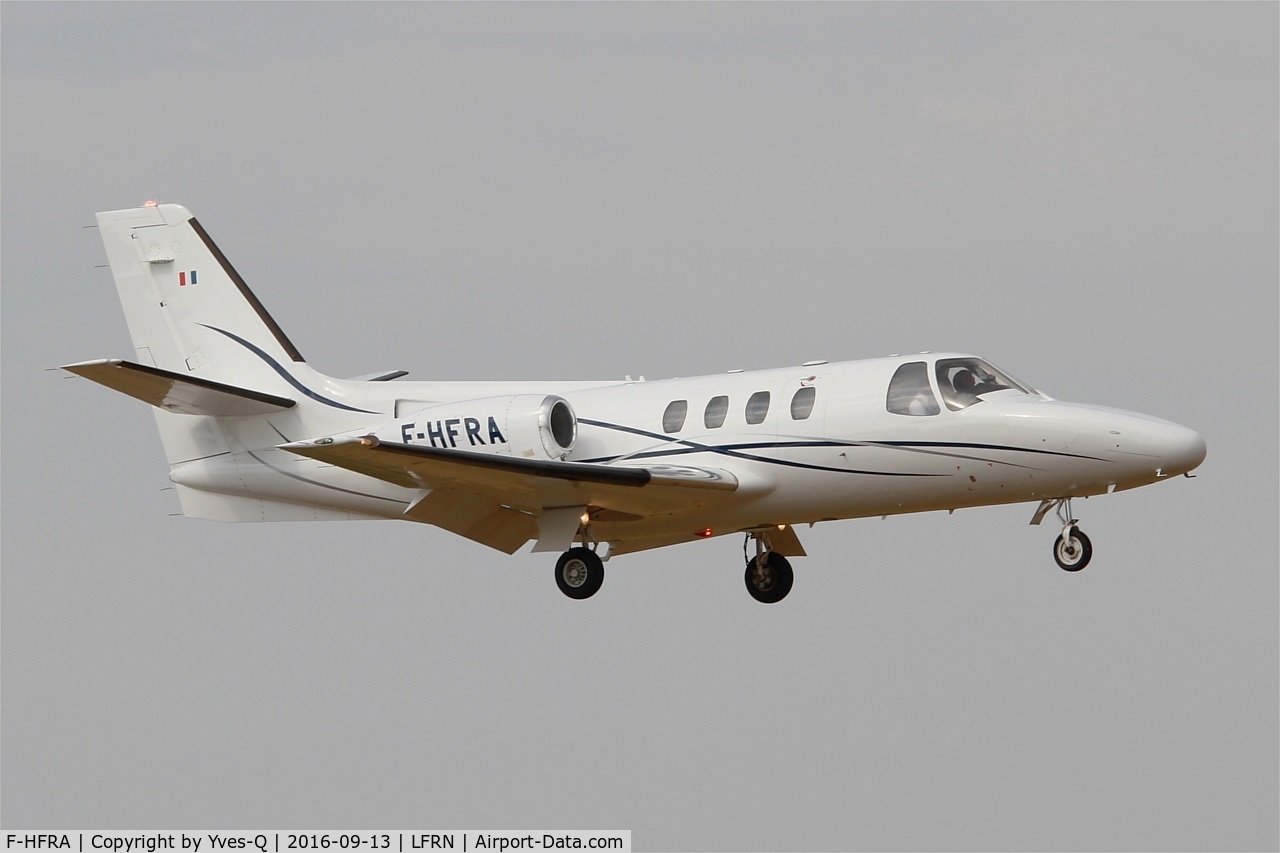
x=1147, y=449
x=1175, y=448
x=1182, y=450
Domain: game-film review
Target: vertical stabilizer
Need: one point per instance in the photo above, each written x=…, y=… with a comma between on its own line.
x=190, y=313
x=188, y=309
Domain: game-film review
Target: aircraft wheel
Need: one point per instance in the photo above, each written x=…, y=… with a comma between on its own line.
x=579, y=573
x=1073, y=551
x=769, y=577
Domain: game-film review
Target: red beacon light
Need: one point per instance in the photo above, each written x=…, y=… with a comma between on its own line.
x=704, y=532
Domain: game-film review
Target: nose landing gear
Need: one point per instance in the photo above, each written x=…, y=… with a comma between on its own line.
x=768, y=576
x=1072, y=550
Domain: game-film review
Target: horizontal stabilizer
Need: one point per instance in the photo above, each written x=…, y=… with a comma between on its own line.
x=526, y=484
x=174, y=392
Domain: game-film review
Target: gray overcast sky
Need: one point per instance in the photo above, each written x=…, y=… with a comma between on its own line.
x=1085, y=193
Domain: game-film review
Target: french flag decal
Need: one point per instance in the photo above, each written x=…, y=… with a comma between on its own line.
x=185, y=278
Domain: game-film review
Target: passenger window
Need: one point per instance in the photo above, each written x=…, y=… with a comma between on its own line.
x=673, y=417
x=714, y=416
x=757, y=407
x=909, y=391
x=802, y=403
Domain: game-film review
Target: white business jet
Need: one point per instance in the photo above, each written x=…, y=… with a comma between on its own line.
x=590, y=469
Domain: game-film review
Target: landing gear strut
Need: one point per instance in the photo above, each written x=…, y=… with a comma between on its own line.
x=768, y=576
x=1072, y=550
x=579, y=573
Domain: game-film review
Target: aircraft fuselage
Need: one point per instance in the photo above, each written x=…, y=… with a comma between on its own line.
x=594, y=469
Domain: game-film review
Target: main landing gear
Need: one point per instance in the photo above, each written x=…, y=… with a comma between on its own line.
x=579, y=573
x=768, y=576
x=1072, y=550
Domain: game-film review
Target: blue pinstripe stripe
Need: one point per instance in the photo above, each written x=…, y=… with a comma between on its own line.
x=681, y=447
x=732, y=451
x=288, y=377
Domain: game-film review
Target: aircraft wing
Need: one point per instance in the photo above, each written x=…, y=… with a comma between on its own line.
x=494, y=499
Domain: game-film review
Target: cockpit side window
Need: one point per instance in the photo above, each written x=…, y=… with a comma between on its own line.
x=962, y=381
x=909, y=391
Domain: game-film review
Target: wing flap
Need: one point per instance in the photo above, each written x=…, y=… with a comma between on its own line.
x=475, y=517
x=527, y=485
x=173, y=392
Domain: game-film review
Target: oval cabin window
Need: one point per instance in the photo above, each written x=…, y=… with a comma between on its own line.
x=673, y=417
x=758, y=407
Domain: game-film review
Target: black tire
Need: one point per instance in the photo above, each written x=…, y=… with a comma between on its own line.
x=579, y=573
x=1073, y=552
x=769, y=583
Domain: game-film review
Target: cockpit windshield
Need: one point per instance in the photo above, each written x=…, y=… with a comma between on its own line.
x=962, y=381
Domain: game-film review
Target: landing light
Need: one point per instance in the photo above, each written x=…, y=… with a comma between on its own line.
x=586, y=519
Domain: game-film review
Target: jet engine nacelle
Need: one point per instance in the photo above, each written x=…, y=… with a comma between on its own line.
x=530, y=426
